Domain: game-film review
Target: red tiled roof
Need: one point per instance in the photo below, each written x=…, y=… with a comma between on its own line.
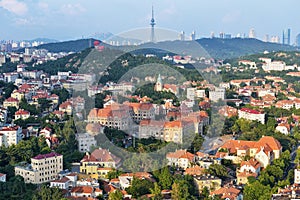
x=248, y=110
x=49, y=155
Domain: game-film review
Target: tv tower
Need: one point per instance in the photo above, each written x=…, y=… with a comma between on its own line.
x=152, y=23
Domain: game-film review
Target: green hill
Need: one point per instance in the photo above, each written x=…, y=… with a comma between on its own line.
x=215, y=47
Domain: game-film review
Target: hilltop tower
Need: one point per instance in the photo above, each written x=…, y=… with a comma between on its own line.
x=158, y=85
x=152, y=23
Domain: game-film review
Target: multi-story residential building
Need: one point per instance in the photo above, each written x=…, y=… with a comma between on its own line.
x=66, y=107
x=177, y=131
x=217, y=94
x=85, y=142
x=99, y=158
x=10, y=77
x=113, y=116
x=253, y=115
x=274, y=66
x=247, y=169
x=10, y=135
x=151, y=128
x=22, y=114
x=43, y=168
x=141, y=111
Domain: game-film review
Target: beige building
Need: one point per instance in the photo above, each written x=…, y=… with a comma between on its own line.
x=43, y=168
x=113, y=116
x=211, y=182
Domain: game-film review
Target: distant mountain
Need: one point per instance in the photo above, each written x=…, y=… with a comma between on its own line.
x=214, y=47
x=67, y=46
x=44, y=40
x=232, y=48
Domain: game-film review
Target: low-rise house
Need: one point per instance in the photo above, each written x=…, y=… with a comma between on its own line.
x=99, y=158
x=85, y=191
x=253, y=115
x=228, y=193
x=22, y=114
x=288, y=192
x=264, y=151
x=212, y=183
x=125, y=179
x=285, y=104
x=228, y=111
x=11, y=102
x=2, y=177
x=284, y=128
x=194, y=171
x=242, y=177
x=180, y=158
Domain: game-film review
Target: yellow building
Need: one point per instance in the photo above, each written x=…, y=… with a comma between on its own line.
x=99, y=163
x=17, y=94
x=211, y=182
x=11, y=102
x=44, y=168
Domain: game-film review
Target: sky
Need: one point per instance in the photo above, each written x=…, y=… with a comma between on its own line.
x=73, y=19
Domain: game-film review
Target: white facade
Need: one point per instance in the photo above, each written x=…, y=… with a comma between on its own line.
x=251, y=115
x=217, y=94
x=10, y=135
x=85, y=142
x=297, y=176
x=190, y=93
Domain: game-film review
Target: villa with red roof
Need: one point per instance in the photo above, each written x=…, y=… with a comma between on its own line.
x=180, y=158
x=264, y=151
x=253, y=115
x=22, y=114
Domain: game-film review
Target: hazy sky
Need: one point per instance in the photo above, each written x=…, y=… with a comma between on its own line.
x=70, y=19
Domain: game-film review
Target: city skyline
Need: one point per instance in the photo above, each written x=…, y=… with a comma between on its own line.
x=55, y=19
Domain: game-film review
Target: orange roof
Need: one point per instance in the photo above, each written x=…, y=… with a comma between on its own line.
x=10, y=99
x=227, y=192
x=252, y=162
x=82, y=189
x=195, y=170
x=270, y=141
x=245, y=174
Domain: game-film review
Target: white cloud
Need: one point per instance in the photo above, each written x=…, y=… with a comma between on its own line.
x=43, y=5
x=22, y=21
x=72, y=9
x=14, y=6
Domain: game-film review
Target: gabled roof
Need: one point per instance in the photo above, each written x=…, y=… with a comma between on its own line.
x=82, y=189
x=252, y=162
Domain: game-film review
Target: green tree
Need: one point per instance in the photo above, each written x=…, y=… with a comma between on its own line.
x=139, y=187
x=156, y=191
x=257, y=191
x=116, y=195
x=179, y=191
x=47, y=193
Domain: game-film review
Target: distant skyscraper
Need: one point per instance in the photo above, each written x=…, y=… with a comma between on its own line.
x=212, y=34
x=182, y=36
x=252, y=33
x=275, y=39
x=286, y=36
x=193, y=35
x=152, y=23
x=298, y=40
x=266, y=38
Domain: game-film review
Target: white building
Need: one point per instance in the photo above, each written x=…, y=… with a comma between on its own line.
x=297, y=176
x=253, y=115
x=85, y=142
x=217, y=94
x=2, y=177
x=274, y=66
x=10, y=135
x=191, y=93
